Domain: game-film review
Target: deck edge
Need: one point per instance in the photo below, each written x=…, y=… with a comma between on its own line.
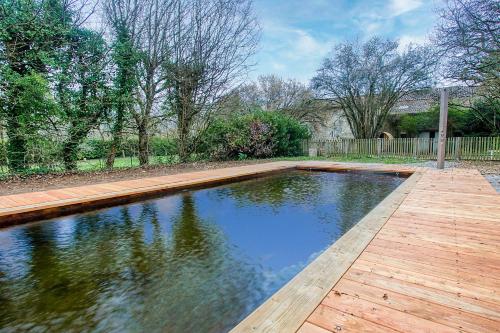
x=58, y=208
x=290, y=306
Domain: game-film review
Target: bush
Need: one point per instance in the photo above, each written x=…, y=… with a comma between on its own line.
x=256, y=135
x=3, y=153
x=412, y=124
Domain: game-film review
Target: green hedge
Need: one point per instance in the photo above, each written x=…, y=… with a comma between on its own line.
x=256, y=135
x=3, y=153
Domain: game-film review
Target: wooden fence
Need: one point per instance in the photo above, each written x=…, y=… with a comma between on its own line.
x=459, y=148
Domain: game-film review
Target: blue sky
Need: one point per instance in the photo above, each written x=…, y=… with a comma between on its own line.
x=298, y=34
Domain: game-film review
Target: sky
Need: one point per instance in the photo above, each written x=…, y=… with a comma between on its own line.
x=298, y=34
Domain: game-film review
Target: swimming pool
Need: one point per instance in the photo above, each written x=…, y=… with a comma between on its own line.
x=199, y=260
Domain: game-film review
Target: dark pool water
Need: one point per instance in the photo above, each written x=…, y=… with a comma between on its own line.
x=196, y=261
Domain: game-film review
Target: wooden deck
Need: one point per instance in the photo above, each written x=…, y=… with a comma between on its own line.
x=433, y=267
x=426, y=259
x=26, y=207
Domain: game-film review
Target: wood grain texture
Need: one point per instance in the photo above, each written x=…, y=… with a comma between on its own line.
x=433, y=267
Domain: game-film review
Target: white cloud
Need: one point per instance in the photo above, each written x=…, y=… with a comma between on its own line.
x=305, y=45
x=406, y=40
x=291, y=52
x=399, y=7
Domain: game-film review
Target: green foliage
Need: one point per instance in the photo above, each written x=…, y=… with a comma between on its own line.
x=485, y=117
x=30, y=33
x=3, y=153
x=126, y=58
x=29, y=95
x=256, y=135
x=458, y=121
x=26, y=104
x=82, y=89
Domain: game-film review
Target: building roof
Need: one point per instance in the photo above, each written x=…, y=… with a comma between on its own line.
x=421, y=100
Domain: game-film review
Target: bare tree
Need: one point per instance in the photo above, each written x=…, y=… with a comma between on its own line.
x=212, y=43
x=468, y=35
x=122, y=18
x=273, y=93
x=291, y=97
x=154, y=43
x=367, y=79
x=468, y=38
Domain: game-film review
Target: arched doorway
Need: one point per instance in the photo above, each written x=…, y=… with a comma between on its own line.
x=386, y=135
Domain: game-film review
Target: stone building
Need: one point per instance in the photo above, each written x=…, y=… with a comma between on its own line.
x=336, y=126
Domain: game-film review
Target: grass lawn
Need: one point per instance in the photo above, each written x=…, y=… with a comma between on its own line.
x=124, y=162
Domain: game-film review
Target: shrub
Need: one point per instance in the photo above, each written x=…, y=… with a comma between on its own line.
x=258, y=135
x=458, y=117
x=3, y=153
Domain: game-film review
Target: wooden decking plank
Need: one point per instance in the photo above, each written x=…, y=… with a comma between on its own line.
x=338, y=321
x=384, y=315
x=444, y=254
x=455, y=286
x=412, y=217
x=438, y=230
x=448, y=246
x=308, y=327
x=447, y=240
x=475, y=306
x=434, y=261
x=446, y=272
x=446, y=226
x=431, y=311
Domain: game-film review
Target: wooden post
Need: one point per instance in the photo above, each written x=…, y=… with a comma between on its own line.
x=443, y=120
x=458, y=147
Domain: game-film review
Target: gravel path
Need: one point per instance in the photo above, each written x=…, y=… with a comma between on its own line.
x=489, y=169
x=494, y=180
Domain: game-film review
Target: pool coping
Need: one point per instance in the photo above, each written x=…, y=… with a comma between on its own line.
x=67, y=201
x=290, y=306
x=34, y=206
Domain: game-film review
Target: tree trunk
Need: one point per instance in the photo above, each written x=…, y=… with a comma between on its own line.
x=143, y=144
x=183, y=144
x=71, y=146
x=110, y=161
x=70, y=150
x=116, y=142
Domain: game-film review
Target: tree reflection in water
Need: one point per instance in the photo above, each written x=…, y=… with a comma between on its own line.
x=199, y=266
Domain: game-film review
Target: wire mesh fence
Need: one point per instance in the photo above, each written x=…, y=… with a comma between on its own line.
x=45, y=155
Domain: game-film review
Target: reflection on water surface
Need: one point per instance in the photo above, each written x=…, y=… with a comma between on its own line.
x=197, y=261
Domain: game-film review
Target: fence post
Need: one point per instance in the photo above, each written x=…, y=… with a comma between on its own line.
x=458, y=145
x=443, y=119
x=415, y=147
